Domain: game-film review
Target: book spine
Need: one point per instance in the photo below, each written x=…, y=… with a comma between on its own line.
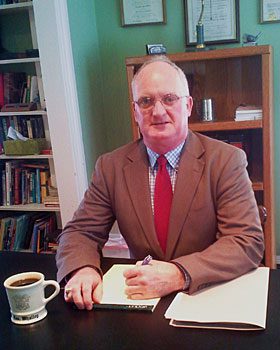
x=17, y=190
x=34, y=92
x=41, y=92
x=2, y=137
x=8, y=182
x=41, y=128
x=15, y=122
x=38, y=186
x=5, y=127
x=29, y=129
x=32, y=188
x=4, y=190
x=1, y=90
x=43, y=183
x=27, y=98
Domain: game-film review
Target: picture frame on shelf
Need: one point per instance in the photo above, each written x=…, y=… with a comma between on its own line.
x=220, y=20
x=148, y=12
x=269, y=11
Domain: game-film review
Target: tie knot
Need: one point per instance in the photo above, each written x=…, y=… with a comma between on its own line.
x=162, y=161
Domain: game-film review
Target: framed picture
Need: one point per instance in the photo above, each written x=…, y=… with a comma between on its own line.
x=269, y=11
x=220, y=21
x=135, y=12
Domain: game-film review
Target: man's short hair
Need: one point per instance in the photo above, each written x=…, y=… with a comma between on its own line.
x=165, y=59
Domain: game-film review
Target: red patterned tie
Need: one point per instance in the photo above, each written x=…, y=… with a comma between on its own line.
x=162, y=201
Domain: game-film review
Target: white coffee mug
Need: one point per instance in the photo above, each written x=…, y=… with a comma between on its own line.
x=26, y=295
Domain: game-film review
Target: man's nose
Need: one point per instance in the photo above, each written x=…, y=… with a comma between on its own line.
x=158, y=108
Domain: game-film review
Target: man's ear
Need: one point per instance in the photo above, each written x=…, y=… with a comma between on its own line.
x=134, y=111
x=189, y=103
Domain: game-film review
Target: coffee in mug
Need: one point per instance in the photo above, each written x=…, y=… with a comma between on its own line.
x=26, y=295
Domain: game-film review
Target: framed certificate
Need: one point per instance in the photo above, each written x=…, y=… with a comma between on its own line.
x=220, y=21
x=269, y=11
x=135, y=12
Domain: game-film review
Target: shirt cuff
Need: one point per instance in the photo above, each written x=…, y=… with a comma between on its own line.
x=185, y=274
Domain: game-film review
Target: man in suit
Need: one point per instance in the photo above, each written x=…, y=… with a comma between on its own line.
x=181, y=197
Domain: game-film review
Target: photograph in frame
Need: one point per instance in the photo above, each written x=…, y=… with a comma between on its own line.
x=269, y=11
x=220, y=21
x=135, y=12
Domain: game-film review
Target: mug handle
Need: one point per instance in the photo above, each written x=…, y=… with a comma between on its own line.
x=57, y=289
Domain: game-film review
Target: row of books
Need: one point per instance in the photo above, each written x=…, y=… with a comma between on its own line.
x=36, y=232
x=237, y=140
x=24, y=183
x=19, y=87
x=30, y=127
x=248, y=112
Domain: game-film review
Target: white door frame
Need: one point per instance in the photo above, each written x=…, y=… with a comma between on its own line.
x=54, y=43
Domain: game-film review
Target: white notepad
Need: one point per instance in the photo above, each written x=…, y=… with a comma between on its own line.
x=114, y=296
x=240, y=304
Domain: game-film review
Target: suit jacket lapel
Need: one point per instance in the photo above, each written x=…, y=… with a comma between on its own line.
x=188, y=178
x=137, y=179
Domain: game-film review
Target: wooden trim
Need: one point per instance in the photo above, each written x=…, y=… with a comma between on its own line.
x=226, y=125
x=54, y=43
x=206, y=55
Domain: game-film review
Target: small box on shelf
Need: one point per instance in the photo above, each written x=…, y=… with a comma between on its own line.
x=28, y=147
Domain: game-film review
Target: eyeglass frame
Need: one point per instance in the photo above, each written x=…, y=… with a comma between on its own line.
x=155, y=100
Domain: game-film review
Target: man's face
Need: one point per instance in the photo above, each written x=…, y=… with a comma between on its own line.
x=163, y=127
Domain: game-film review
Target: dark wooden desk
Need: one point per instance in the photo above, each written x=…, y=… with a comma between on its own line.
x=65, y=328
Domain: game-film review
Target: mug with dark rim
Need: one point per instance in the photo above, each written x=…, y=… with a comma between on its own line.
x=26, y=295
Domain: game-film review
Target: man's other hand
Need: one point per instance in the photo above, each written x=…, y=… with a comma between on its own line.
x=84, y=288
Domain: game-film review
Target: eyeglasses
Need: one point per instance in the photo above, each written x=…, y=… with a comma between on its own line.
x=167, y=101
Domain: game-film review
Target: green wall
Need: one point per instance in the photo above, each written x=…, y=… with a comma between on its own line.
x=101, y=44
x=82, y=21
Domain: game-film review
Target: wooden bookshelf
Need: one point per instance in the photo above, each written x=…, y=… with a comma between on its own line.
x=232, y=77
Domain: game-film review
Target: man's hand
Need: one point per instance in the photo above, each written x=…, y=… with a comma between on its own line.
x=155, y=280
x=84, y=288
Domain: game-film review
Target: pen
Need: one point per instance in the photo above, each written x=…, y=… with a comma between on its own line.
x=147, y=260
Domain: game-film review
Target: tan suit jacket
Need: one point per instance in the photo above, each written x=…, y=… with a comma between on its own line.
x=214, y=230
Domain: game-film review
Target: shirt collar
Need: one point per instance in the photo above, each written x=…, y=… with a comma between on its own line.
x=172, y=156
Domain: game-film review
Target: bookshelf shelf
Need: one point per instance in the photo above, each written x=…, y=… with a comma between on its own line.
x=21, y=60
x=225, y=125
x=232, y=77
x=15, y=7
x=29, y=207
x=33, y=113
x=33, y=156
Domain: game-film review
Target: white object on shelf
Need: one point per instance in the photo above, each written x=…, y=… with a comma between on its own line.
x=248, y=112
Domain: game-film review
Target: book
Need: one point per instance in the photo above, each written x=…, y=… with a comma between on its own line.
x=44, y=175
x=13, y=82
x=41, y=92
x=51, y=201
x=21, y=230
x=239, y=304
x=114, y=296
x=34, y=91
x=248, y=112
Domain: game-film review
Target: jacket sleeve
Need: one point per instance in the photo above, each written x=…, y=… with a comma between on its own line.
x=240, y=244
x=83, y=238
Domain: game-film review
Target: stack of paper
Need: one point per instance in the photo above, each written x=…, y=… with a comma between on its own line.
x=114, y=296
x=248, y=113
x=238, y=305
